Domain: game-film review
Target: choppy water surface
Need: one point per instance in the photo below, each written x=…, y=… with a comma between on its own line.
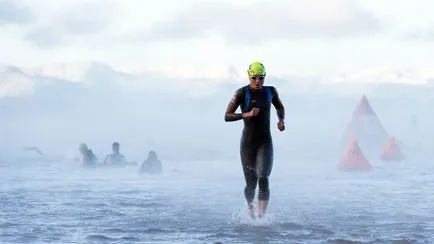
x=202, y=202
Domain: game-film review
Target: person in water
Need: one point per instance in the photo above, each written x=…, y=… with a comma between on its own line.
x=89, y=159
x=256, y=149
x=115, y=158
x=152, y=164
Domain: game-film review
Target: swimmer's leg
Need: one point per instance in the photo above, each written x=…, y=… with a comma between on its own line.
x=264, y=163
x=248, y=161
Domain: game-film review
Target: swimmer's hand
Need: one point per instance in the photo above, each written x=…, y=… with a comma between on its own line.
x=281, y=125
x=252, y=113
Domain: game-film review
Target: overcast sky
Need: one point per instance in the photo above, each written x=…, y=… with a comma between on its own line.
x=291, y=37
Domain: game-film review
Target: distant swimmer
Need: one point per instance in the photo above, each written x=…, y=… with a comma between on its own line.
x=256, y=146
x=115, y=158
x=88, y=159
x=152, y=164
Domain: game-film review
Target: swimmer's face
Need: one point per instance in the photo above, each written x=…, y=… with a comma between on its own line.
x=115, y=147
x=257, y=81
x=152, y=154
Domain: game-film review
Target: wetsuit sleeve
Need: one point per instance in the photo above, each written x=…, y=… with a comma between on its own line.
x=278, y=105
x=230, y=114
x=92, y=155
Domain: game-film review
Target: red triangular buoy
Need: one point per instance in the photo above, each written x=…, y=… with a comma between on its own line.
x=391, y=151
x=365, y=127
x=353, y=159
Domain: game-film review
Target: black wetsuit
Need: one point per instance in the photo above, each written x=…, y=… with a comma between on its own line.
x=256, y=147
x=152, y=166
x=115, y=159
x=89, y=159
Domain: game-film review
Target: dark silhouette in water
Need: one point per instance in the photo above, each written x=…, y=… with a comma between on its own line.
x=115, y=158
x=89, y=159
x=152, y=164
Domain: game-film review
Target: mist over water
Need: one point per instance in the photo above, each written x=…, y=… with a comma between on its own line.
x=159, y=77
x=202, y=202
x=199, y=197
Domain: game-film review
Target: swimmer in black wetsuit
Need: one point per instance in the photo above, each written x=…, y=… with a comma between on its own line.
x=256, y=147
x=116, y=158
x=89, y=159
x=152, y=164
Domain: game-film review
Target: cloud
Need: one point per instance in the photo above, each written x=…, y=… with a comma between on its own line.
x=11, y=13
x=45, y=37
x=262, y=21
x=83, y=20
x=426, y=34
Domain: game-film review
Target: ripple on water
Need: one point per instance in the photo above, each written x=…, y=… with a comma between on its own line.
x=388, y=205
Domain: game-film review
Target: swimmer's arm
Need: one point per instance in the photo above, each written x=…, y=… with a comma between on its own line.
x=93, y=156
x=230, y=114
x=278, y=105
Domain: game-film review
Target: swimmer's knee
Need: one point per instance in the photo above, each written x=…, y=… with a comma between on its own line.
x=251, y=186
x=264, y=167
